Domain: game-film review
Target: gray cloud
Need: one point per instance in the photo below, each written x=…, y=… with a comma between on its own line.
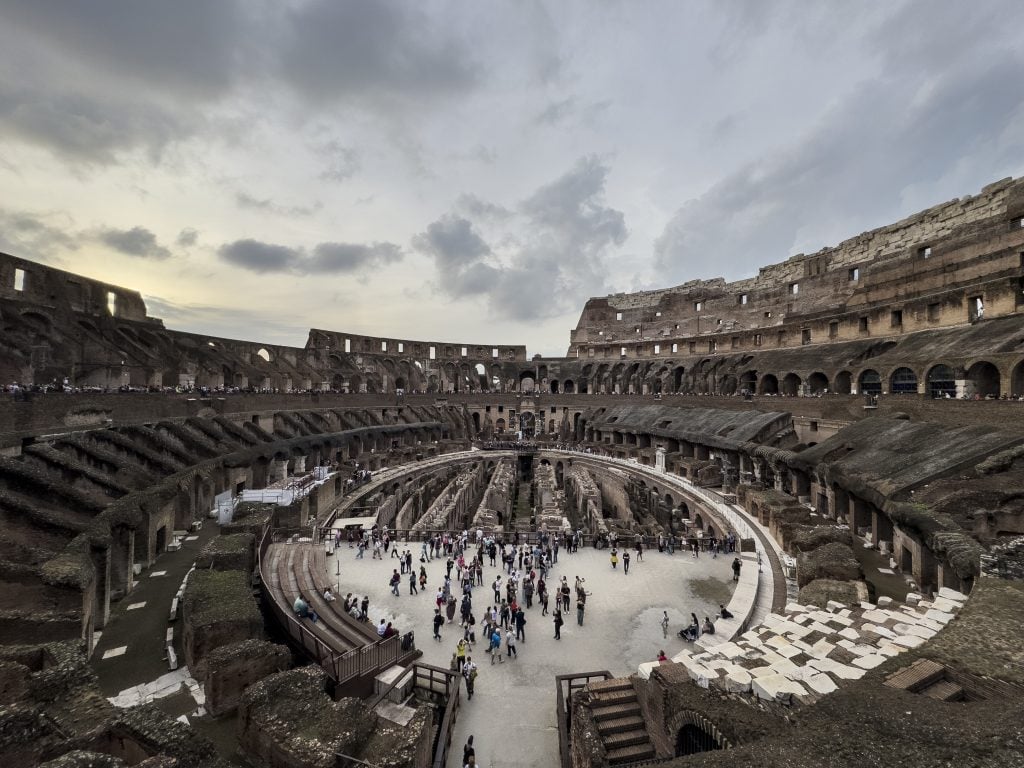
x=187, y=238
x=36, y=235
x=266, y=205
x=239, y=322
x=326, y=258
x=137, y=241
x=379, y=50
x=884, y=149
x=340, y=162
x=549, y=252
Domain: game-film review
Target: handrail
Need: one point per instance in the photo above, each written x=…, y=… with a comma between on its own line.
x=563, y=708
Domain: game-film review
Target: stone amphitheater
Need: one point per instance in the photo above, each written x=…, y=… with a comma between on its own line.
x=848, y=425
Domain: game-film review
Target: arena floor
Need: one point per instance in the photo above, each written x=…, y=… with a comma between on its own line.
x=512, y=714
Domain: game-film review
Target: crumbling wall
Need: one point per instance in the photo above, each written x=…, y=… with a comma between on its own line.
x=233, y=668
x=217, y=609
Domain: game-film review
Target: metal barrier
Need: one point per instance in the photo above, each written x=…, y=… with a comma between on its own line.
x=565, y=687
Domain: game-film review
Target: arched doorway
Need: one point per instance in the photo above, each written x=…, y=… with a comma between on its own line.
x=748, y=382
x=568, y=387
x=693, y=739
x=769, y=385
x=554, y=386
x=842, y=383
x=1017, y=380
x=941, y=381
x=870, y=383
x=983, y=379
x=526, y=381
x=729, y=385
x=817, y=382
x=791, y=385
x=903, y=382
x=528, y=424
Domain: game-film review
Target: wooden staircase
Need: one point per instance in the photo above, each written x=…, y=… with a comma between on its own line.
x=619, y=721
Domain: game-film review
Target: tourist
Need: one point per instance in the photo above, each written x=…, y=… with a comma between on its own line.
x=468, y=751
x=581, y=604
x=510, y=643
x=469, y=672
x=438, y=623
x=520, y=619
x=328, y=595
x=460, y=653
x=495, y=645
x=381, y=628
x=412, y=583
x=450, y=608
x=395, y=581
x=389, y=631
x=662, y=658
x=364, y=608
x=558, y=624
x=625, y=563
x=664, y=623
x=724, y=612
x=736, y=565
x=707, y=628
x=615, y=558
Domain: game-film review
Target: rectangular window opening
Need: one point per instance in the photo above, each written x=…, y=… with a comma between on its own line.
x=618, y=315
x=934, y=311
x=494, y=353
x=432, y=351
x=896, y=318
x=814, y=426
x=794, y=288
x=348, y=346
x=698, y=305
x=693, y=347
x=383, y=346
x=401, y=347
x=854, y=274
x=833, y=329
x=735, y=342
x=805, y=336
x=975, y=308
x=743, y=298
x=657, y=349
x=862, y=325
x=465, y=351
x=675, y=348
x=111, y=302
x=757, y=339
x=19, y=280
x=925, y=251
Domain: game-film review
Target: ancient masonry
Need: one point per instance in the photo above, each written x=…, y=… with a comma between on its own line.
x=851, y=419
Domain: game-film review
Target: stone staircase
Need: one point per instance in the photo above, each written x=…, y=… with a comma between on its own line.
x=617, y=713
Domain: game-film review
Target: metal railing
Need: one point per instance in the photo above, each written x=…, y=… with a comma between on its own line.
x=565, y=687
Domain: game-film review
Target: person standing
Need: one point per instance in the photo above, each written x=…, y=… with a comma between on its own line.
x=625, y=563
x=495, y=645
x=736, y=565
x=510, y=642
x=664, y=623
x=581, y=605
x=558, y=624
x=520, y=625
x=468, y=751
x=469, y=672
x=395, y=581
x=438, y=623
x=460, y=654
x=412, y=582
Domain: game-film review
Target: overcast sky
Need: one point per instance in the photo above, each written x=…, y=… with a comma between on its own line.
x=474, y=171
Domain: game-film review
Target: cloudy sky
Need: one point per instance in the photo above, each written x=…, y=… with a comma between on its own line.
x=473, y=171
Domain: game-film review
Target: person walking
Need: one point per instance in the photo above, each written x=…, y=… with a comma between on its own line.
x=520, y=625
x=736, y=565
x=581, y=605
x=615, y=559
x=495, y=645
x=510, y=642
x=395, y=581
x=412, y=583
x=469, y=672
x=558, y=624
x=438, y=623
x=460, y=653
x=664, y=623
x=625, y=563
x=468, y=751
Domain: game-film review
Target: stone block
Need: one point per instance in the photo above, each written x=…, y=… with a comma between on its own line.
x=939, y=616
x=951, y=594
x=777, y=688
x=870, y=661
x=820, y=683
x=884, y=602
x=908, y=641
x=737, y=681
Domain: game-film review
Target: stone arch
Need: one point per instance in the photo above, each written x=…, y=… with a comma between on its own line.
x=728, y=385
x=527, y=383
x=677, y=378
x=1017, y=380
x=554, y=386
x=940, y=381
x=817, y=383
x=264, y=354
x=842, y=384
x=481, y=377
x=768, y=385
x=903, y=381
x=791, y=384
x=983, y=379
x=476, y=422
x=869, y=382
x=568, y=386
x=748, y=381
x=499, y=425
x=696, y=734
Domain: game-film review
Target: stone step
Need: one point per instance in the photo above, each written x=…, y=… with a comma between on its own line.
x=944, y=690
x=610, y=698
x=630, y=754
x=626, y=738
x=620, y=724
x=612, y=684
x=616, y=711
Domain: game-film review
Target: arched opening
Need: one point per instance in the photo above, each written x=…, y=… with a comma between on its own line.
x=903, y=382
x=769, y=385
x=941, y=381
x=677, y=378
x=748, y=382
x=568, y=387
x=526, y=381
x=264, y=354
x=481, y=376
x=476, y=422
x=1017, y=380
x=554, y=386
x=983, y=380
x=528, y=424
x=870, y=383
x=842, y=383
x=499, y=426
x=692, y=739
x=729, y=385
x=791, y=385
x=400, y=383
x=817, y=383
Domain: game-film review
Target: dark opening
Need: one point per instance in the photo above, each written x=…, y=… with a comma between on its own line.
x=692, y=740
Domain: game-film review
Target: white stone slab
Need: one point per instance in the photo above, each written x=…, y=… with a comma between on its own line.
x=952, y=594
x=870, y=661
x=191, y=538
x=884, y=602
x=849, y=633
x=890, y=649
x=737, y=681
x=887, y=571
x=908, y=641
x=158, y=573
x=822, y=648
x=777, y=688
x=135, y=606
x=820, y=683
x=940, y=616
x=922, y=632
x=644, y=670
x=120, y=651
x=789, y=651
